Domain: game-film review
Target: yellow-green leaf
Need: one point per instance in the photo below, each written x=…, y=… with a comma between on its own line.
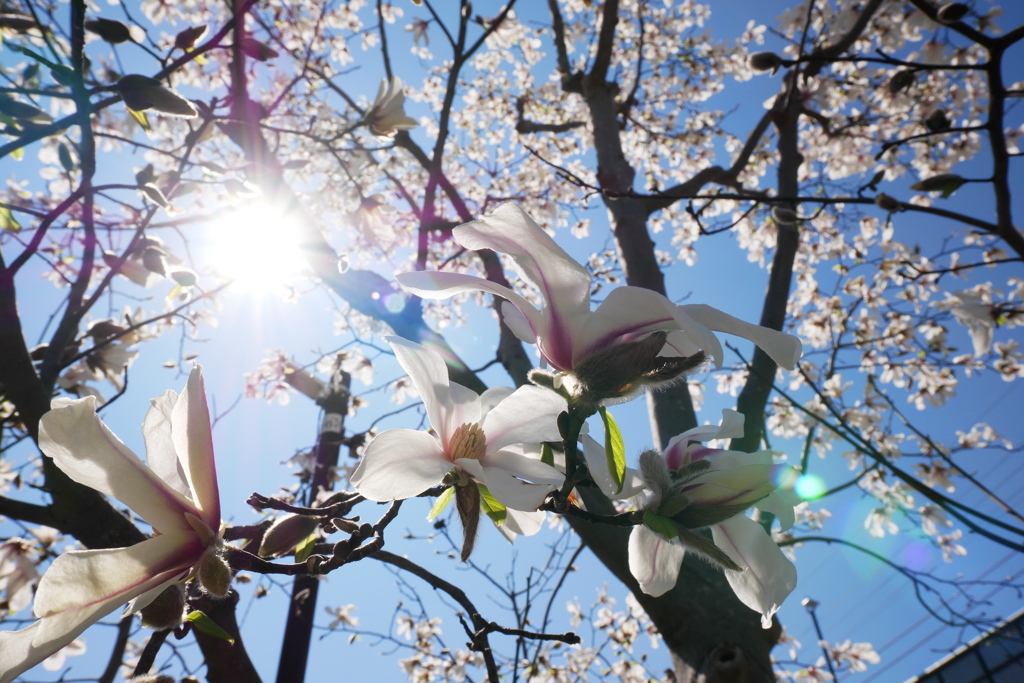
x=206, y=625
x=305, y=548
x=547, y=455
x=141, y=118
x=614, y=449
x=491, y=506
x=660, y=525
x=8, y=221
x=441, y=503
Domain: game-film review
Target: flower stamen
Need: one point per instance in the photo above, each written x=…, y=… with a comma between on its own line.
x=468, y=441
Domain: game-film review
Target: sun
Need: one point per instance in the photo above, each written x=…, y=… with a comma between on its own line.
x=256, y=246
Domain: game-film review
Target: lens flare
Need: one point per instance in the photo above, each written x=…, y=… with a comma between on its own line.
x=256, y=246
x=810, y=487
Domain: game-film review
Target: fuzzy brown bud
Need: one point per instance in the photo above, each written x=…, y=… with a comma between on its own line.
x=765, y=61
x=887, y=203
x=952, y=12
x=142, y=92
x=167, y=610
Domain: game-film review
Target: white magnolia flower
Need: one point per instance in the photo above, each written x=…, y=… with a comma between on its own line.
x=176, y=494
x=565, y=330
x=387, y=114
x=721, y=490
x=17, y=573
x=469, y=438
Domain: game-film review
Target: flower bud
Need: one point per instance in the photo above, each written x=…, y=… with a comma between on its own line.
x=254, y=49
x=22, y=111
x=952, y=12
x=784, y=215
x=142, y=92
x=187, y=39
x=947, y=183
x=167, y=610
x=286, y=533
x=153, y=259
x=159, y=678
x=902, y=80
x=887, y=203
x=112, y=31
x=214, y=573
x=765, y=61
x=21, y=23
x=937, y=122
x=184, y=277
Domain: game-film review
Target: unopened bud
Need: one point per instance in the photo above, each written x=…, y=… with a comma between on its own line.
x=22, y=111
x=887, y=203
x=944, y=182
x=214, y=573
x=153, y=259
x=142, y=92
x=115, y=32
x=184, y=277
x=902, y=80
x=345, y=525
x=20, y=23
x=167, y=610
x=159, y=678
x=254, y=49
x=102, y=330
x=784, y=215
x=765, y=61
x=952, y=12
x=937, y=122
x=287, y=533
x=187, y=39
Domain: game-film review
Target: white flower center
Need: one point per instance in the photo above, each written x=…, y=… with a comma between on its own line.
x=468, y=441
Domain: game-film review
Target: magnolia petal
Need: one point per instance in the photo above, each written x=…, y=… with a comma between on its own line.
x=528, y=415
x=492, y=397
x=516, y=493
x=769, y=577
x=563, y=283
x=597, y=464
x=734, y=486
x=780, y=503
x=193, y=440
x=437, y=285
x=17, y=653
x=160, y=453
x=521, y=523
x=731, y=427
x=78, y=580
x=88, y=452
x=633, y=311
x=399, y=464
x=518, y=323
x=429, y=375
x=784, y=349
x=523, y=467
x=465, y=409
x=654, y=561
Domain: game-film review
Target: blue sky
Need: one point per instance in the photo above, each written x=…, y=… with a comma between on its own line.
x=859, y=599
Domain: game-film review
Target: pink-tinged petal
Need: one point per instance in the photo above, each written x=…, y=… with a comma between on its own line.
x=17, y=654
x=734, y=486
x=513, y=492
x=492, y=397
x=529, y=415
x=193, y=440
x=563, y=283
x=631, y=312
x=768, y=578
x=676, y=453
x=160, y=454
x=88, y=452
x=78, y=580
x=430, y=377
x=399, y=464
x=654, y=561
x=784, y=349
x=440, y=285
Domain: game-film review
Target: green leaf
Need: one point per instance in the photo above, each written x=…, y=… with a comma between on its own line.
x=660, y=525
x=8, y=221
x=547, y=456
x=64, y=154
x=441, y=503
x=305, y=548
x=206, y=625
x=141, y=118
x=614, y=449
x=491, y=506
